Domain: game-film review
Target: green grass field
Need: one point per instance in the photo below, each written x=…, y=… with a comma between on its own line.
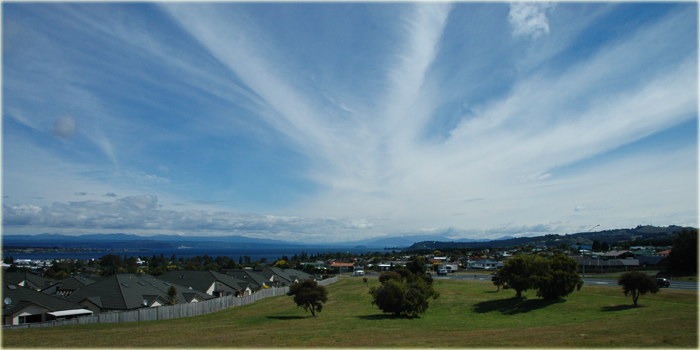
x=467, y=314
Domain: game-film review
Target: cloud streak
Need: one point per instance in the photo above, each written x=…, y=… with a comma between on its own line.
x=270, y=108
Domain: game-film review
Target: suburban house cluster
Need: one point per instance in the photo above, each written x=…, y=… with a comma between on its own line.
x=30, y=298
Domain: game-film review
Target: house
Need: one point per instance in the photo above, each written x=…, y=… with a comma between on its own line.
x=129, y=291
x=209, y=282
x=256, y=280
x=618, y=254
x=340, y=265
x=664, y=253
x=67, y=285
x=385, y=267
x=486, y=264
x=299, y=275
x=27, y=279
x=651, y=260
x=24, y=305
x=278, y=277
x=600, y=265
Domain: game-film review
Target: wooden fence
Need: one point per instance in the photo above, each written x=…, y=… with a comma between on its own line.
x=168, y=312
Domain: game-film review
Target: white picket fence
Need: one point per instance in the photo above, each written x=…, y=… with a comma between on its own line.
x=168, y=312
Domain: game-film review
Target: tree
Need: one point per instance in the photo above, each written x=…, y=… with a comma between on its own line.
x=516, y=274
x=684, y=254
x=416, y=265
x=309, y=295
x=558, y=279
x=552, y=277
x=637, y=283
x=497, y=281
x=605, y=246
x=403, y=293
x=282, y=264
x=596, y=246
x=172, y=295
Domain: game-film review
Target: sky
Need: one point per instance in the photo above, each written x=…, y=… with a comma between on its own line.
x=332, y=122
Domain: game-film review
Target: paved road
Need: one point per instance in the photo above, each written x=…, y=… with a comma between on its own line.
x=613, y=283
x=587, y=281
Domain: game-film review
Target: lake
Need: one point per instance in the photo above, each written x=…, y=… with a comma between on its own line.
x=271, y=254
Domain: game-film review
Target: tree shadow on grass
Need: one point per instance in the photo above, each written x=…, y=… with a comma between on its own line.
x=384, y=317
x=620, y=307
x=512, y=306
x=288, y=317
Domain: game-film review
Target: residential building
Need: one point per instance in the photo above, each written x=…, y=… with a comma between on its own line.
x=24, y=305
x=209, y=282
x=124, y=292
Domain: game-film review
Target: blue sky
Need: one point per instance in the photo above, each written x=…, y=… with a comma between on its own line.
x=330, y=122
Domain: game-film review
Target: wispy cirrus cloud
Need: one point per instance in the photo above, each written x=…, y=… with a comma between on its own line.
x=237, y=102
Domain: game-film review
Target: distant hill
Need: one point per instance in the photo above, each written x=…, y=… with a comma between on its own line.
x=639, y=233
x=415, y=242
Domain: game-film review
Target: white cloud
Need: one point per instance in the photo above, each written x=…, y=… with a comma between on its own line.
x=529, y=18
x=143, y=214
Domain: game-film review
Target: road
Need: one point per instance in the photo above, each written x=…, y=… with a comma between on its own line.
x=587, y=281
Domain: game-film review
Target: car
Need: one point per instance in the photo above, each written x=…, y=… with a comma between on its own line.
x=442, y=272
x=662, y=282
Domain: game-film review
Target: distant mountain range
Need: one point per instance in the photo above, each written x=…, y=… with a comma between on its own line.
x=639, y=233
x=131, y=241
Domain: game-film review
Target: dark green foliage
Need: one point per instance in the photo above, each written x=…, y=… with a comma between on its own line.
x=596, y=245
x=408, y=294
x=637, y=283
x=416, y=265
x=516, y=273
x=111, y=260
x=558, y=278
x=605, y=246
x=172, y=295
x=309, y=295
x=552, y=277
x=684, y=255
x=389, y=275
x=497, y=281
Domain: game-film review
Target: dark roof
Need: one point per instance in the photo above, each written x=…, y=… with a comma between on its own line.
x=255, y=279
x=651, y=260
x=269, y=272
x=21, y=297
x=74, y=282
x=126, y=292
x=617, y=253
x=298, y=274
x=35, y=281
x=164, y=285
x=203, y=280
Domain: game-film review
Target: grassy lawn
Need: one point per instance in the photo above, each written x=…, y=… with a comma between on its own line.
x=467, y=314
